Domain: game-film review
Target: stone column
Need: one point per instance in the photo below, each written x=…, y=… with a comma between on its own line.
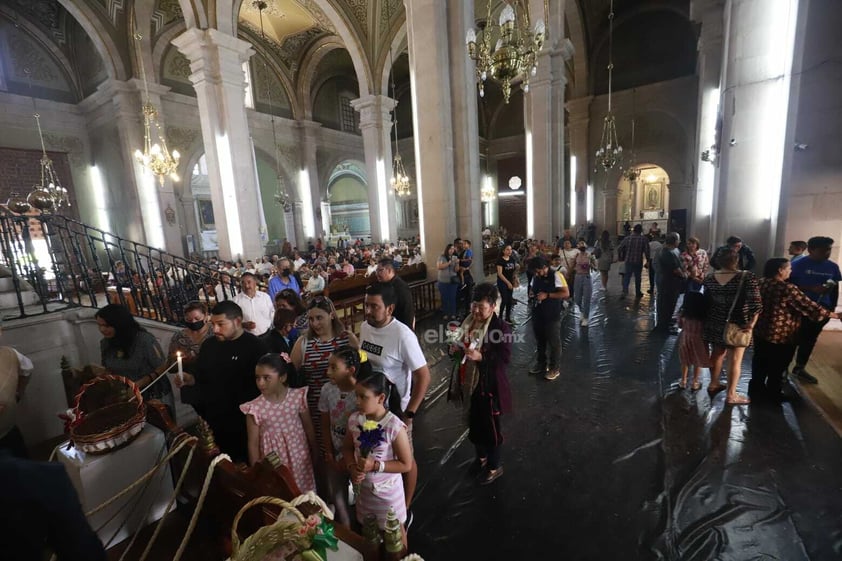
x=755, y=101
x=376, y=125
x=308, y=189
x=216, y=61
x=544, y=124
x=610, y=206
x=700, y=210
x=579, y=113
x=445, y=120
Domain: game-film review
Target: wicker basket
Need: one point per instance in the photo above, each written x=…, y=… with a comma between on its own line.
x=285, y=538
x=109, y=412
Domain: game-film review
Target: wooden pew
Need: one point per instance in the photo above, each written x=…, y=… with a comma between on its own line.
x=233, y=485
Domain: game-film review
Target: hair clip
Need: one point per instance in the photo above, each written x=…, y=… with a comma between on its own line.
x=285, y=357
x=363, y=356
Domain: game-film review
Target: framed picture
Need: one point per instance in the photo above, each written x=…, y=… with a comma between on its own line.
x=206, y=214
x=652, y=195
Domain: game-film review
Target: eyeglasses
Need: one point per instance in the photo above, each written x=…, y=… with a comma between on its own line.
x=322, y=302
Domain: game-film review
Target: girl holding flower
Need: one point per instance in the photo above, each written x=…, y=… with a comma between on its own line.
x=376, y=452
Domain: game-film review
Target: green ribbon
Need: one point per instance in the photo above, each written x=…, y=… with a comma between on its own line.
x=323, y=540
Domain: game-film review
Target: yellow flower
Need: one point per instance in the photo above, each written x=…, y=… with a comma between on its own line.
x=370, y=425
x=363, y=356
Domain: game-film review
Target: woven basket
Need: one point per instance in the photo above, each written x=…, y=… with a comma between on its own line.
x=109, y=412
x=283, y=538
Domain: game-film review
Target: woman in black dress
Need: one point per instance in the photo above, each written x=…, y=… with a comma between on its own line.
x=722, y=287
x=487, y=344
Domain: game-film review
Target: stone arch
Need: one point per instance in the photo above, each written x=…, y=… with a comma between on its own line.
x=309, y=65
x=576, y=32
x=349, y=215
x=160, y=46
x=397, y=42
x=103, y=42
x=226, y=14
x=194, y=13
x=278, y=71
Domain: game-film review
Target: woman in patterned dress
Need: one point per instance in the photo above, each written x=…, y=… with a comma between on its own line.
x=312, y=351
x=696, y=263
x=775, y=332
x=721, y=289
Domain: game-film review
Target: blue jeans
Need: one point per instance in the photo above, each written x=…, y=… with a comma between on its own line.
x=635, y=269
x=582, y=293
x=448, y=297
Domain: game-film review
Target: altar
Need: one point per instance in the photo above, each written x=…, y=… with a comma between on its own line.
x=99, y=477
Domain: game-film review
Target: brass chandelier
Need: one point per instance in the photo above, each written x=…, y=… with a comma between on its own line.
x=155, y=156
x=399, y=181
x=516, y=46
x=609, y=152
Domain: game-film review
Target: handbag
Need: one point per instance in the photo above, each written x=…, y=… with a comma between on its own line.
x=734, y=335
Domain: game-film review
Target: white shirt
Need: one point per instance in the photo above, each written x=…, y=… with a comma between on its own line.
x=315, y=284
x=259, y=309
x=298, y=262
x=393, y=350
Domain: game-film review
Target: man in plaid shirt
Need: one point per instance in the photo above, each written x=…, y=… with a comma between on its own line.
x=632, y=250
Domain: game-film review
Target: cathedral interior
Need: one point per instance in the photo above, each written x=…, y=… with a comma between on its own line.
x=296, y=120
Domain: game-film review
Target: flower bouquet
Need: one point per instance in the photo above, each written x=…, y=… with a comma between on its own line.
x=371, y=436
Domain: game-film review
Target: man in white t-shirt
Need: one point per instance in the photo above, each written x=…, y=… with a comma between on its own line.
x=258, y=309
x=393, y=349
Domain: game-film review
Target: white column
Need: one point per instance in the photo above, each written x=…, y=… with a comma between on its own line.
x=710, y=14
x=544, y=124
x=216, y=60
x=445, y=122
x=580, y=110
x=309, y=190
x=755, y=98
x=376, y=125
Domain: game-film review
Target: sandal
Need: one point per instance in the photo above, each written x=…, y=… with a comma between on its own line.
x=683, y=384
x=696, y=386
x=738, y=400
x=713, y=390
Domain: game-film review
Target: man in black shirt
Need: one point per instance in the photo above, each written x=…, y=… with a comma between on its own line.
x=671, y=279
x=404, y=307
x=224, y=378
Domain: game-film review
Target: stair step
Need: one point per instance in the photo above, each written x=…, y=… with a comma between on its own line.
x=7, y=284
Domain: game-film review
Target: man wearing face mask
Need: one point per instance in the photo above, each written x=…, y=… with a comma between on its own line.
x=283, y=279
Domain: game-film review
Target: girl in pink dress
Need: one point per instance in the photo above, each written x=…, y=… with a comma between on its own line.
x=379, y=472
x=692, y=349
x=279, y=421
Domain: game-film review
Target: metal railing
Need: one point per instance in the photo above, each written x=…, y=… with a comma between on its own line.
x=71, y=264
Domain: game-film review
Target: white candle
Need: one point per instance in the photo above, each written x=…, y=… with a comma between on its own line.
x=180, y=371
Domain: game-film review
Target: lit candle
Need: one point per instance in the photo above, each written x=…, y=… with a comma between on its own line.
x=180, y=371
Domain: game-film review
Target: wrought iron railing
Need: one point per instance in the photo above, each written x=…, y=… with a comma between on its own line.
x=68, y=264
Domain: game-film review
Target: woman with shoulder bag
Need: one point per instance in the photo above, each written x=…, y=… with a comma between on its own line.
x=733, y=305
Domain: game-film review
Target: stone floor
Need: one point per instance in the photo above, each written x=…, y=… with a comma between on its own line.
x=613, y=461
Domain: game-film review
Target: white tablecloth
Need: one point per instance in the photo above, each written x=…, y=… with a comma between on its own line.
x=99, y=477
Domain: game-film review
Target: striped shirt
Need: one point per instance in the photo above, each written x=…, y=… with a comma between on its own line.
x=314, y=367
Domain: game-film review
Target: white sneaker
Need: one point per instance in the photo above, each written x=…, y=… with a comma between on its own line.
x=584, y=322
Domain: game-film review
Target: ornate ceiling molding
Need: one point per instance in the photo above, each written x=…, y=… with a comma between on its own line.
x=165, y=13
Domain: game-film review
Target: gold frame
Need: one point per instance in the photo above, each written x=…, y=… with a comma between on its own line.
x=653, y=195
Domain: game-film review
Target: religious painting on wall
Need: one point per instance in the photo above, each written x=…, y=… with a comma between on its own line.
x=206, y=214
x=652, y=195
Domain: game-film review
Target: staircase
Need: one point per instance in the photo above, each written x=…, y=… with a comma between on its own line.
x=50, y=262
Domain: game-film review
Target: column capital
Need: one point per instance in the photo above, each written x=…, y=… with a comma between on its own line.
x=374, y=110
x=214, y=55
x=579, y=108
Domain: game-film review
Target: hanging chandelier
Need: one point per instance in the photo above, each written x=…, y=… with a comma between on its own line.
x=399, y=181
x=609, y=152
x=282, y=198
x=515, y=54
x=48, y=195
x=488, y=193
x=155, y=156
